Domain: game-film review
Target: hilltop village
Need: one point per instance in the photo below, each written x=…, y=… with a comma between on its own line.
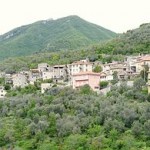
x=77, y=74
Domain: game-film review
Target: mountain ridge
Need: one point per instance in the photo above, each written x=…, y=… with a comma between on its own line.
x=70, y=32
x=132, y=42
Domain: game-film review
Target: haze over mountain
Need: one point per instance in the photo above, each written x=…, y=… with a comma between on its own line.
x=70, y=32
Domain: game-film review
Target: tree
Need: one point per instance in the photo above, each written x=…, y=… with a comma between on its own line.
x=77, y=141
x=2, y=81
x=115, y=77
x=147, y=128
x=137, y=128
x=103, y=84
x=86, y=89
x=48, y=146
x=139, y=83
x=144, y=73
x=97, y=69
x=7, y=87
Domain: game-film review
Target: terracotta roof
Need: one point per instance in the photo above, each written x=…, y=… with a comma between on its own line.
x=87, y=73
x=145, y=58
x=103, y=74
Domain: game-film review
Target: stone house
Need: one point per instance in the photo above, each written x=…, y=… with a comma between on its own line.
x=43, y=67
x=120, y=68
x=34, y=75
x=48, y=73
x=19, y=80
x=59, y=71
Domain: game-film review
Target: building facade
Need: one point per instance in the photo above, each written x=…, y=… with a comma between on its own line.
x=19, y=80
x=90, y=78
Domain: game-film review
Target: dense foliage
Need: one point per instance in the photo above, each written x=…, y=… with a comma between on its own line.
x=132, y=42
x=103, y=84
x=76, y=120
x=67, y=119
x=70, y=32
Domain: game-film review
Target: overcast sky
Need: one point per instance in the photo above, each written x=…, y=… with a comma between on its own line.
x=116, y=15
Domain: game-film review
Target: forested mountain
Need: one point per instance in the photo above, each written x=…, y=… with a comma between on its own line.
x=132, y=42
x=70, y=32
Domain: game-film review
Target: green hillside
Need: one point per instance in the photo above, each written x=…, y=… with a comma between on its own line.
x=70, y=32
x=67, y=119
x=132, y=42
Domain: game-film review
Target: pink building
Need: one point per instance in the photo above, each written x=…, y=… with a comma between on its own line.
x=90, y=78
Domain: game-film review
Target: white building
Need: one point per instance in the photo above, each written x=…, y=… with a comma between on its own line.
x=109, y=77
x=80, y=66
x=48, y=74
x=43, y=67
x=2, y=92
x=105, y=77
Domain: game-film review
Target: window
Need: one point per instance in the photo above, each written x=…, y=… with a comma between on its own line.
x=96, y=87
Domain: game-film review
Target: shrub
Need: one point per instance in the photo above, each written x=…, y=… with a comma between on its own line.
x=103, y=84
